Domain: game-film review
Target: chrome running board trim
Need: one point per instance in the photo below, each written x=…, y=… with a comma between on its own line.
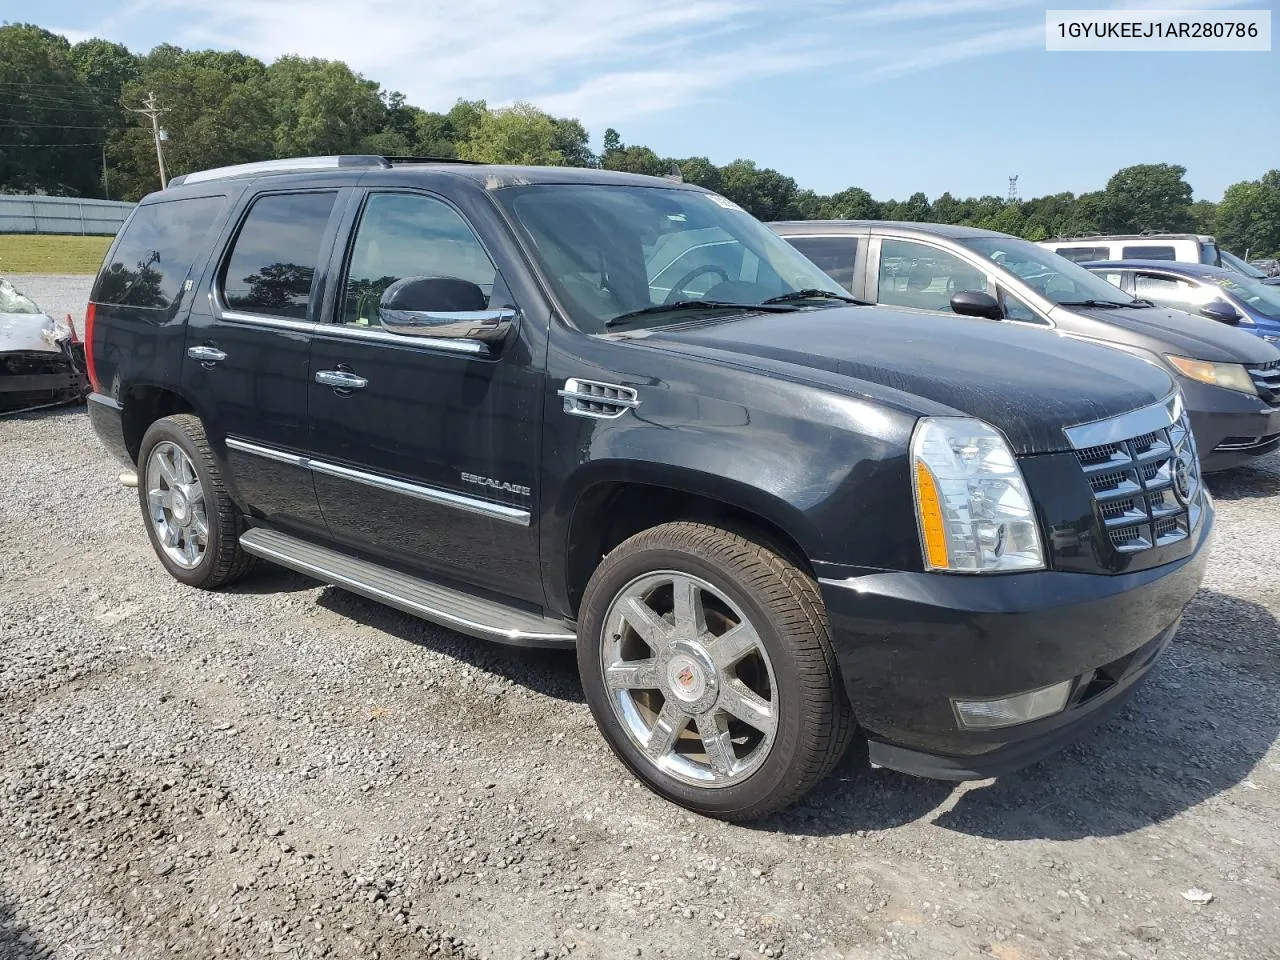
x=447, y=606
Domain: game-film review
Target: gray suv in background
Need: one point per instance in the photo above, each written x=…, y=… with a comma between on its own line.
x=1231, y=380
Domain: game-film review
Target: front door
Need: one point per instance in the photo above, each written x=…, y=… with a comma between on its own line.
x=248, y=346
x=426, y=450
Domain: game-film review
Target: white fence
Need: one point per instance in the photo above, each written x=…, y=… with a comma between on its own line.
x=34, y=214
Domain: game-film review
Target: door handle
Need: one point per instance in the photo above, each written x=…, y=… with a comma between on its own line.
x=207, y=355
x=341, y=380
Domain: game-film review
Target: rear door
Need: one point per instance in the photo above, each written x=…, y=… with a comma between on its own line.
x=248, y=350
x=426, y=449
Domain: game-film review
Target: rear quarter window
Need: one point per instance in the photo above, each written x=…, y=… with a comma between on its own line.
x=1148, y=253
x=156, y=252
x=1082, y=254
x=833, y=255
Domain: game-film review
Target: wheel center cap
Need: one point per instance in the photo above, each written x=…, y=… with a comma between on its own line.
x=686, y=678
x=179, y=505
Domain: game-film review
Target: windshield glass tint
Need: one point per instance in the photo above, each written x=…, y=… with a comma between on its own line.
x=1258, y=297
x=1053, y=277
x=612, y=250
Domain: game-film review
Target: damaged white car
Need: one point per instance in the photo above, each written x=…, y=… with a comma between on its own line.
x=41, y=359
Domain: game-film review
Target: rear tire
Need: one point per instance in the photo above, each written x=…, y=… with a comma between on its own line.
x=193, y=524
x=707, y=662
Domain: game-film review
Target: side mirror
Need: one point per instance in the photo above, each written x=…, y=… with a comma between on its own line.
x=974, y=303
x=443, y=308
x=1221, y=311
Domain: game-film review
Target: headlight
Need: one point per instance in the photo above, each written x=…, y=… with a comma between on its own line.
x=1233, y=376
x=972, y=504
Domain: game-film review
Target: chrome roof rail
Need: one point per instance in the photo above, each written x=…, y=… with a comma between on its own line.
x=285, y=165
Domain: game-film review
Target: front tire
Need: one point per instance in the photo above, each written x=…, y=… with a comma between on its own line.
x=193, y=524
x=707, y=662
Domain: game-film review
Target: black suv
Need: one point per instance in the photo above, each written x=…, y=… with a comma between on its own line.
x=574, y=408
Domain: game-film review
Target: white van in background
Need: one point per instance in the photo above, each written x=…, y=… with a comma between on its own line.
x=1182, y=247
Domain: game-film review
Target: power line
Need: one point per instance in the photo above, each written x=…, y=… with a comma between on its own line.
x=94, y=143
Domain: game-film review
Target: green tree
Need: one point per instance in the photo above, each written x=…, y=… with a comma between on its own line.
x=1148, y=196
x=1248, y=218
x=218, y=110
x=764, y=192
x=322, y=107
x=573, y=144
x=52, y=124
x=701, y=171
x=517, y=134
x=612, y=141
x=636, y=160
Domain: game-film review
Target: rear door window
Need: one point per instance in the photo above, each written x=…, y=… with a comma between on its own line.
x=833, y=255
x=156, y=253
x=273, y=260
x=1148, y=253
x=1169, y=291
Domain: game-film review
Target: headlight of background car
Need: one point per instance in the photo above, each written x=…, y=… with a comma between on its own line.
x=1233, y=376
x=972, y=504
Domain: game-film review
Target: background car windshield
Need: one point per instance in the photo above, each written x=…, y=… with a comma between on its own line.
x=1232, y=262
x=1259, y=297
x=1053, y=277
x=613, y=250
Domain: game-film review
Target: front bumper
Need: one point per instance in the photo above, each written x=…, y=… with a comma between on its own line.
x=1231, y=428
x=910, y=643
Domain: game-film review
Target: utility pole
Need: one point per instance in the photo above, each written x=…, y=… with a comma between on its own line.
x=151, y=109
x=1013, y=189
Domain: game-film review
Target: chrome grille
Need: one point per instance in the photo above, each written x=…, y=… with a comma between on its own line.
x=1266, y=377
x=1147, y=485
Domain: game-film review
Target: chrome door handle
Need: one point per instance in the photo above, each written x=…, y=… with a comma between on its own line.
x=206, y=354
x=341, y=380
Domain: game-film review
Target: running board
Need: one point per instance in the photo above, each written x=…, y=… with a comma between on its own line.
x=449, y=607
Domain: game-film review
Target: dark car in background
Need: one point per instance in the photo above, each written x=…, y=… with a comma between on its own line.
x=1231, y=380
x=1212, y=292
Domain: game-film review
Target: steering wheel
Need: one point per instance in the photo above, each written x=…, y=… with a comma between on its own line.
x=677, y=289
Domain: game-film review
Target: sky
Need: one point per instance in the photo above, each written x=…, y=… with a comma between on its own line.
x=894, y=96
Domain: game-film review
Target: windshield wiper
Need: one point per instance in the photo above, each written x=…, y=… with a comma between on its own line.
x=813, y=293
x=1102, y=304
x=699, y=305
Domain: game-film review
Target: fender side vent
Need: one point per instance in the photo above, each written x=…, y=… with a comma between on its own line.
x=601, y=401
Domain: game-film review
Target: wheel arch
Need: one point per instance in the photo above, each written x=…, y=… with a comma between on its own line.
x=142, y=405
x=615, y=502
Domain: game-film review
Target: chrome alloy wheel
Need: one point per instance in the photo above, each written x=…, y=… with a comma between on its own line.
x=176, y=505
x=689, y=679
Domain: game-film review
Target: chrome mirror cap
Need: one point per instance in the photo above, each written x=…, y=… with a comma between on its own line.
x=485, y=326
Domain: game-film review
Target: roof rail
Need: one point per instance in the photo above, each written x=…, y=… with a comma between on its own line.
x=285, y=165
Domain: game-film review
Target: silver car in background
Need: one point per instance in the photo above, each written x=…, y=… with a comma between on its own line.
x=1231, y=380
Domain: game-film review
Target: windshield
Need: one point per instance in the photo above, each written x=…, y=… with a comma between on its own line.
x=1232, y=262
x=1259, y=297
x=11, y=301
x=610, y=251
x=1053, y=277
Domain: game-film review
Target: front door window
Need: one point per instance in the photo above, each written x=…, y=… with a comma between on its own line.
x=923, y=277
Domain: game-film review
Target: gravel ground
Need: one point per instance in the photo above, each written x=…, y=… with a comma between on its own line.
x=286, y=769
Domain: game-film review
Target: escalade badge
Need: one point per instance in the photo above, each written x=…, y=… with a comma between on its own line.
x=496, y=484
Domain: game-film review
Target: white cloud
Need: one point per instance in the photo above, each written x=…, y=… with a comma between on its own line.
x=607, y=62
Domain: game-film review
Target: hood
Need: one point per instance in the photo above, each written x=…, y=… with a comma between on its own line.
x=1181, y=333
x=27, y=332
x=1030, y=383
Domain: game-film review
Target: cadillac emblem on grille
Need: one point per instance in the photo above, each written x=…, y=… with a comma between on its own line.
x=1144, y=475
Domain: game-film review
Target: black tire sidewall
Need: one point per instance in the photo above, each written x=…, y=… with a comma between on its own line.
x=167, y=430
x=776, y=774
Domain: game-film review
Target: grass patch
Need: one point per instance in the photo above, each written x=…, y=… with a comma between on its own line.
x=50, y=253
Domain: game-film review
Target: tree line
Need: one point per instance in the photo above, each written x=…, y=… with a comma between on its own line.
x=69, y=126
